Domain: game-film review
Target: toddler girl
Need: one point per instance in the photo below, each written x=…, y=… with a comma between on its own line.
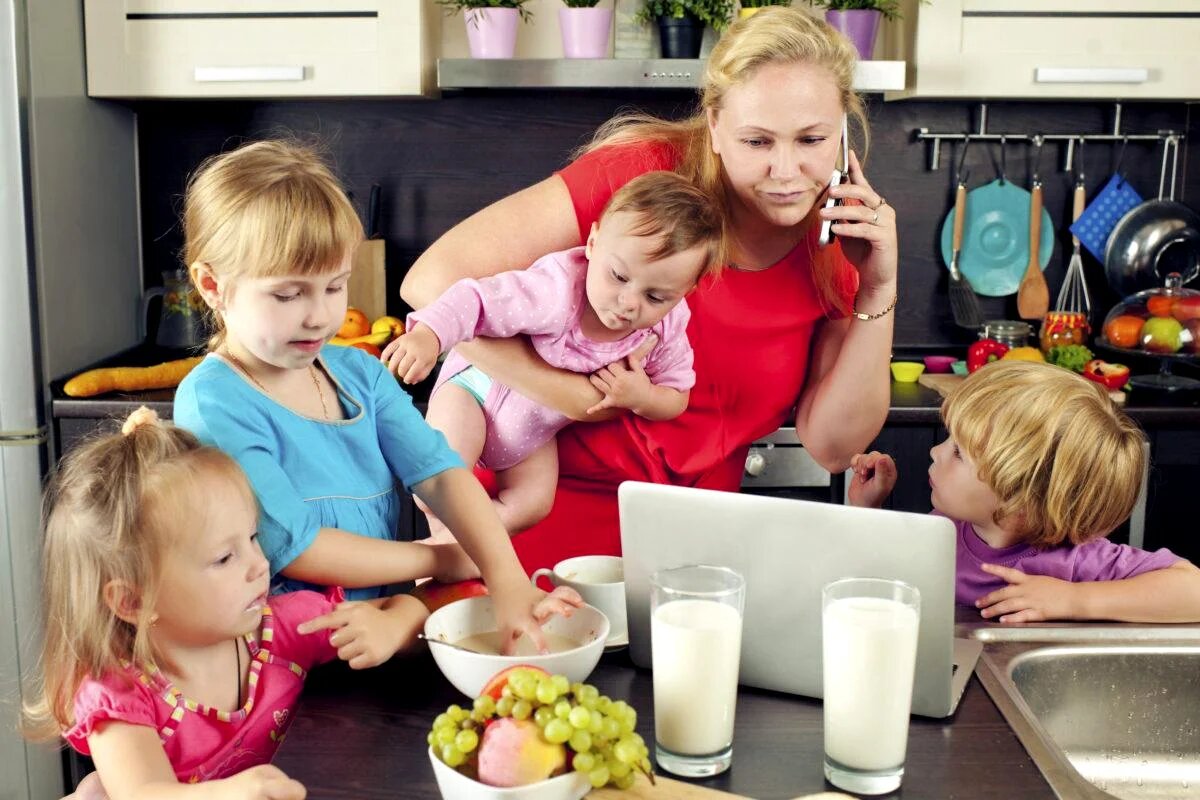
x=1039, y=467
x=323, y=432
x=595, y=309
x=164, y=658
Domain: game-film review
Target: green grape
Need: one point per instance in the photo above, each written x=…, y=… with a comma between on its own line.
x=604, y=704
x=524, y=686
x=505, y=706
x=452, y=755
x=440, y=720
x=598, y=776
x=445, y=736
x=543, y=715
x=638, y=740
x=431, y=739
x=612, y=728
x=626, y=781
x=596, y=726
x=626, y=751
x=546, y=693
x=557, y=731
x=562, y=709
x=561, y=684
x=455, y=712
x=619, y=768
x=581, y=741
x=587, y=692
x=506, y=691
x=618, y=709
x=485, y=705
x=576, y=688
x=584, y=762
x=466, y=741
x=522, y=709
x=580, y=717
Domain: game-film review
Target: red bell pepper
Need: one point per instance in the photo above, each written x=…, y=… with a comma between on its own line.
x=983, y=351
x=1110, y=376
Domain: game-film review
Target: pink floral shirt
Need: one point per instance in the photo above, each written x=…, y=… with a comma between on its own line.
x=204, y=743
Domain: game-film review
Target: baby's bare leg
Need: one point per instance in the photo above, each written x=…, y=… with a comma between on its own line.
x=526, y=490
x=89, y=788
x=453, y=411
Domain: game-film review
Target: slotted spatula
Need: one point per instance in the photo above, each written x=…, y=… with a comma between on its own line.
x=964, y=303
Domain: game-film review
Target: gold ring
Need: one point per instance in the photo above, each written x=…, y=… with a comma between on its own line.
x=875, y=221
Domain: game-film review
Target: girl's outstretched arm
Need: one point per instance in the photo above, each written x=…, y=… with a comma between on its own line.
x=132, y=765
x=458, y=500
x=342, y=558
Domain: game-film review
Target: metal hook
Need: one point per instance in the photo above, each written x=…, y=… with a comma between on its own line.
x=1079, y=173
x=1003, y=160
x=1121, y=159
x=959, y=175
x=1038, y=141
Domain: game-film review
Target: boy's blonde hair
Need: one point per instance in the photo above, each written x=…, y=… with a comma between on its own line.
x=1065, y=463
x=774, y=35
x=268, y=209
x=111, y=510
x=667, y=205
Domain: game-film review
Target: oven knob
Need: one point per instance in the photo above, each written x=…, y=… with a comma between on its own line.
x=756, y=462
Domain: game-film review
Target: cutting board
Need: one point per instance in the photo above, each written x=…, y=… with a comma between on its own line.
x=944, y=384
x=669, y=789
x=368, y=279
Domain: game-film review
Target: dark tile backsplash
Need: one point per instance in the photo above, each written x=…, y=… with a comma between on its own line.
x=440, y=160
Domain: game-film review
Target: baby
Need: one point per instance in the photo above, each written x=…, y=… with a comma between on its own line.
x=1039, y=467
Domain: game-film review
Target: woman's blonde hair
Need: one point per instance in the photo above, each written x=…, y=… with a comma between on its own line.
x=270, y=208
x=1064, y=462
x=109, y=513
x=774, y=35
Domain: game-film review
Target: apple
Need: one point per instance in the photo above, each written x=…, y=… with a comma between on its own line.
x=435, y=594
x=513, y=753
x=393, y=326
x=1187, y=307
x=1162, y=335
x=1192, y=326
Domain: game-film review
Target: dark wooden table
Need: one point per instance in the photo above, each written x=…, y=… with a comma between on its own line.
x=362, y=735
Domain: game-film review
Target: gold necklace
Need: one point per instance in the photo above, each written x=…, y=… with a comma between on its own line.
x=312, y=373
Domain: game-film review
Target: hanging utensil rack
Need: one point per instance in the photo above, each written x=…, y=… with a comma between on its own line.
x=981, y=134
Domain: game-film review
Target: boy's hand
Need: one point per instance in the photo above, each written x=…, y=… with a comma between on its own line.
x=522, y=608
x=1027, y=598
x=624, y=383
x=874, y=478
x=453, y=563
x=264, y=782
x=364, y=635
x=412, y=356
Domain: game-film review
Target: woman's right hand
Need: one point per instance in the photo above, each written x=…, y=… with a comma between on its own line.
x=263, y=782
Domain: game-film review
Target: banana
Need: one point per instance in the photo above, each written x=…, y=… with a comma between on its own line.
x=377, y=339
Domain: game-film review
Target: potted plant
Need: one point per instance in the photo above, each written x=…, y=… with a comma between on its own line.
x=751, y=7
x=585, y=27
x=681, y=23
x=491, y=24
x=858, y=20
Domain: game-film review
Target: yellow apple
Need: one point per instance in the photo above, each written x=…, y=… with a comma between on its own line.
x=390, y=325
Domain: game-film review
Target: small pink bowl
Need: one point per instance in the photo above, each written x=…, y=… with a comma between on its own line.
x=939, y=364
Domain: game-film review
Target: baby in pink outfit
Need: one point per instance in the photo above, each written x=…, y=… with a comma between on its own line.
x=610, y=309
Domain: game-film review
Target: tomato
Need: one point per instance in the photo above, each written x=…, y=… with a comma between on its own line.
x=1160, y=305
x=1187, y=307
x=1124, y=331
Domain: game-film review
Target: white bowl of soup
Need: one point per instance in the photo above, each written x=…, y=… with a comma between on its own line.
x=575, y=643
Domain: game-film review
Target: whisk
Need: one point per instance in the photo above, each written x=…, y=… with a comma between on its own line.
x=1073, y=296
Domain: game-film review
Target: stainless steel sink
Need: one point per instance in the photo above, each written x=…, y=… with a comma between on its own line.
x=1104, y=712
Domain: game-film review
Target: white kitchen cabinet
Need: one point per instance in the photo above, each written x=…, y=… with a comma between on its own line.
x=1062, y=49
x=260, y=48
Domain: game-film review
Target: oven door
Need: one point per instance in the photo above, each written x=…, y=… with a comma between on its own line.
x=778, y=465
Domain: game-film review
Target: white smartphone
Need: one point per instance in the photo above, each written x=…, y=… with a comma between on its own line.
x=840, y=175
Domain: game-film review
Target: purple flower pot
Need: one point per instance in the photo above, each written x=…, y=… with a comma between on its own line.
x=585, y=31
x=492, y=32
x=860, y=26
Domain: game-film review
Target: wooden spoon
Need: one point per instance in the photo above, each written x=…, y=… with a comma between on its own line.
x=1033, y=296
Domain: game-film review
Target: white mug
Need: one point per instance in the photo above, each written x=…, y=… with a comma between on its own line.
x=600, y=581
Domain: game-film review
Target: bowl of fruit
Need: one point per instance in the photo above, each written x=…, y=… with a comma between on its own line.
x=575, y=643
x=1156, y=322
x=530, y=735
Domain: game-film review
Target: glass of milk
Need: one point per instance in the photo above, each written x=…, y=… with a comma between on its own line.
x=869, y=638
x=696, y=645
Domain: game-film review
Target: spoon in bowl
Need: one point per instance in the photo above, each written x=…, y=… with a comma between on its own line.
x=444, y=643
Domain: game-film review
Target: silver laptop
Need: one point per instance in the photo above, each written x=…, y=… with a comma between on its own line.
x=787, y=550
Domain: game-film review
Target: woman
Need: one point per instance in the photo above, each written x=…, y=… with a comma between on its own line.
x=790, y=331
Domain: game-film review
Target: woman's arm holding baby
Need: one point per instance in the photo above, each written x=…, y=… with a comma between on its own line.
x=1171, y=594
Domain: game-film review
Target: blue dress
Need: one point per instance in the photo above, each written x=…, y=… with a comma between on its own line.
x=310, y=474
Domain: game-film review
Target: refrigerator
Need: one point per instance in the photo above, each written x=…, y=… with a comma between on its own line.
x=70, y=277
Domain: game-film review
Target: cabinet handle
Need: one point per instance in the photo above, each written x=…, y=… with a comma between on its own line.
x=1091, y=75
x=248, y=74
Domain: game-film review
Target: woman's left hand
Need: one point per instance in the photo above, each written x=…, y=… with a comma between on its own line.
x=867, y=228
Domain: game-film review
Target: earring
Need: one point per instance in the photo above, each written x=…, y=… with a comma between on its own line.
x=153, y=619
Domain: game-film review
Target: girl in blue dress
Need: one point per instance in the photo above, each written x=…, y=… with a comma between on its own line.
x=324, y=433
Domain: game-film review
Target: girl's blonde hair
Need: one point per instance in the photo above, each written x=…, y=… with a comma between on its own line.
x=270, y=208
x=1064, y=462
x=110, y=512
x=774, y=35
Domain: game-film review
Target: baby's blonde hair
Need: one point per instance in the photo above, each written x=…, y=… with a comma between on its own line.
x=774, y=35
x=1065, y=463
x=667, y=205
x=268, y=209
x=110, y=511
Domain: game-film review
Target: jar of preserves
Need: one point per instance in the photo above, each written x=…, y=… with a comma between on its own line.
x=1008, y=332
x=1061, y=328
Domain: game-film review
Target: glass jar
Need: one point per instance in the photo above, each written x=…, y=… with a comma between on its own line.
x=1008, y=332
x=1161, y=322
x=1062, y=328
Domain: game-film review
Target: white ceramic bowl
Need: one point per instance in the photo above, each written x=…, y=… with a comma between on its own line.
x=470, y=672
x=455, y=786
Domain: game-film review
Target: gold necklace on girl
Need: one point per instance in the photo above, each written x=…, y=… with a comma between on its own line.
x=312, y=373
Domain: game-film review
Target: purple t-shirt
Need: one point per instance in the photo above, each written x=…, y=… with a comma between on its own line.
x=1097, y=560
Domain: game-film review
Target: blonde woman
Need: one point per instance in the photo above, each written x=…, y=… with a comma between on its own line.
x=792, y=333
x=1039, y=468
x=324, y=434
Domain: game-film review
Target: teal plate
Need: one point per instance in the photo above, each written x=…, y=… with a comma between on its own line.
x=995, y=249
